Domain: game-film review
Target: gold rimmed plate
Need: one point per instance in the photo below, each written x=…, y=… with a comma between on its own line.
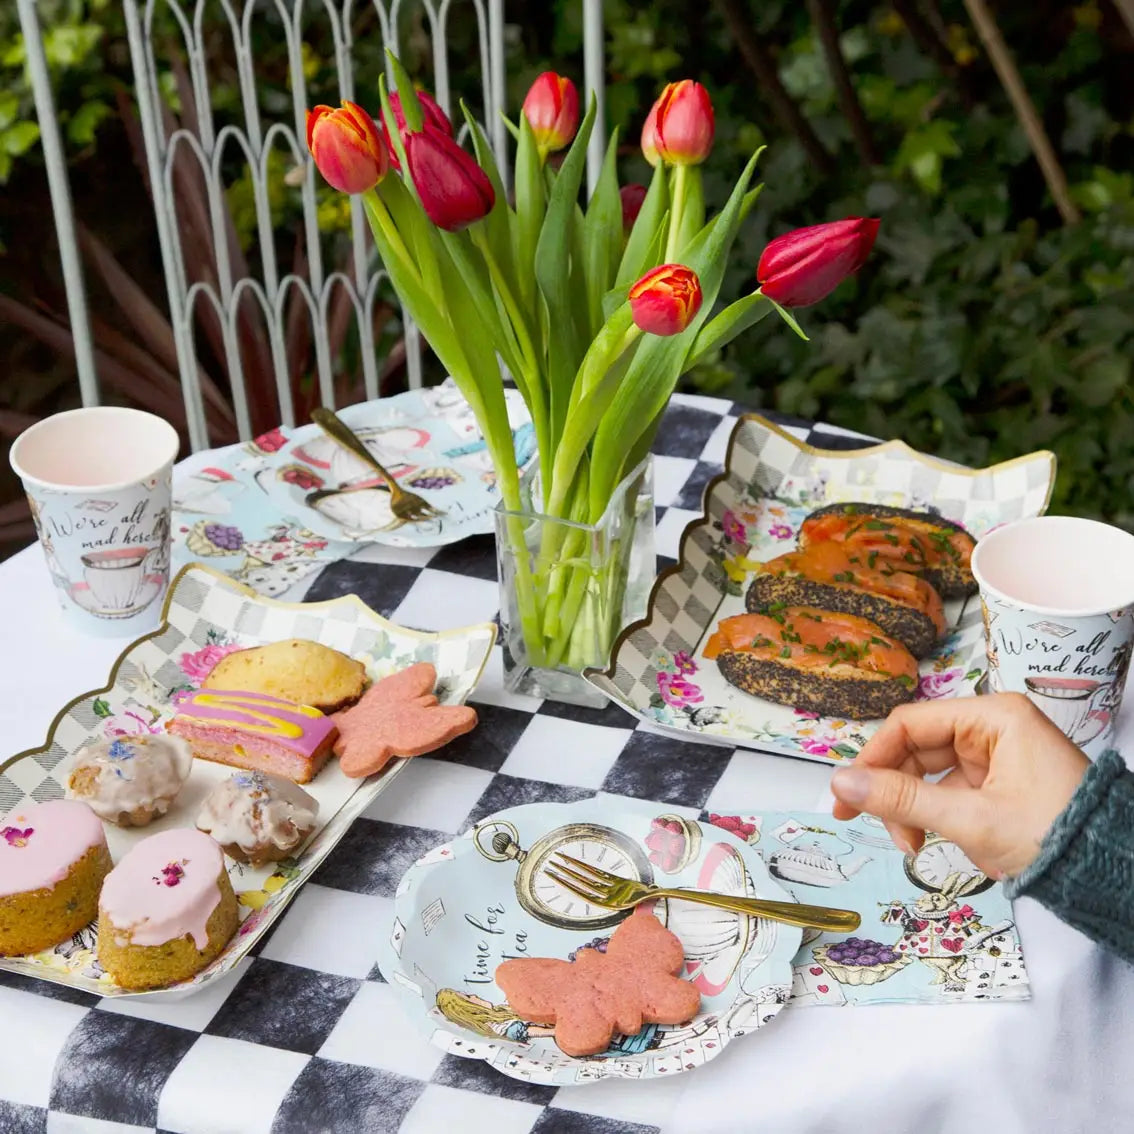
x=206, y=615
x=752, y=513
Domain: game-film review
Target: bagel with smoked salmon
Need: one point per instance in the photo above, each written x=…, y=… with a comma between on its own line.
x=833, y=577
x=920, y=543
x=835, y=664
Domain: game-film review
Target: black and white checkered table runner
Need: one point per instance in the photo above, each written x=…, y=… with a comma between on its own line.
x=304, y=1036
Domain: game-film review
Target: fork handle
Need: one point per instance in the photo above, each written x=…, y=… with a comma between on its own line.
x=792, y=913
x=342, y=434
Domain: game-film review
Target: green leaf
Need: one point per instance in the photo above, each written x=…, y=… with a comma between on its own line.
x=647, y=233
x=602, y=235
x=723, y=328
x=552, y=269
x=693, y=212
x=411, y=104
x=85, y=121
x=393, y=137
x=101, y=708
x=499, y=223
x=530, y=210
x=658, y=363
x=9, y=109
x=18, y=139
x=789, y=319
x=974, y=674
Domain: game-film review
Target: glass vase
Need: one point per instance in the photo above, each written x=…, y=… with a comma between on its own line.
x=566, y=589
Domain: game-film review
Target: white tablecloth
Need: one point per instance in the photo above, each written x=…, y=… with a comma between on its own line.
x=1060, y=1062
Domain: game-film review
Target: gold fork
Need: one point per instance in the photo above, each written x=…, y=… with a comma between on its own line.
x=408, y=507
x=601, y=888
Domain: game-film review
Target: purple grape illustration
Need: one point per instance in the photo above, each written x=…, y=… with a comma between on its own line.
x=224, y=536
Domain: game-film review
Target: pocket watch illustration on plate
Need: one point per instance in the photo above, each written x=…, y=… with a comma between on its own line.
x=938, y=861
x=544, y=898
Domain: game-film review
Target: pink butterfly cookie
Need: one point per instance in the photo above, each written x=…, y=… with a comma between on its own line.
x=397, y=716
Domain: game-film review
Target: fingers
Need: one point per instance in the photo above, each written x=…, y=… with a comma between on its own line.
x=907, y=804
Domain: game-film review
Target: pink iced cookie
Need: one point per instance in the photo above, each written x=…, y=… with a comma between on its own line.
x=398, y=716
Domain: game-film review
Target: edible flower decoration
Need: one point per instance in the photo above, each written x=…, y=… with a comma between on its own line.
x=172, y=873
x=14, y=837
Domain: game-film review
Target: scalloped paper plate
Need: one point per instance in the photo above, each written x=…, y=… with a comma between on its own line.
x=752, y=512
x=470, y=904
x=207, y=614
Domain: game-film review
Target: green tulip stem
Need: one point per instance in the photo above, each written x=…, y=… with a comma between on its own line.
x=678, y=190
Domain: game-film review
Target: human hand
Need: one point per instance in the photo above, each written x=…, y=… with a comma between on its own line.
x=1009, y=772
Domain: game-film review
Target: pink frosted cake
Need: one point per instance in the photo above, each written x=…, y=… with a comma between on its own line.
x=256, y=732
x=166, y=910
x=53, y=858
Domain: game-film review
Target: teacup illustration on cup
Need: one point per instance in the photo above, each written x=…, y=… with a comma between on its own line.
x=1080, y=707
x=120, y=581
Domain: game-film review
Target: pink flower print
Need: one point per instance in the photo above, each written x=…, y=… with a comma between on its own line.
x=734, y=529
x=683, y=663
x=734, y=825
x=270, y=442
x=197, y=666
x=935, y=685
x=780, y=531
x=678, y=692
x=14, y=837
x=816, y=746
x=129, y=724
x=804, y=715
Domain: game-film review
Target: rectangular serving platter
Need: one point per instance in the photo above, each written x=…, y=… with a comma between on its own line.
x=752, y=512
x=206, y=615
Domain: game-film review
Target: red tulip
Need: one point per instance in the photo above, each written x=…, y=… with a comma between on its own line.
x=347, y=147
x=680, y=125
x=552, y=109
x=454, y=190
x=806, y=264
x=650, y=144
x=431, y=112
x=632, y=198
x=665, y=300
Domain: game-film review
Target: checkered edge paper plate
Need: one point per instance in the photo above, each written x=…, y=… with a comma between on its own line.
x=752, y=513
x=206, y=616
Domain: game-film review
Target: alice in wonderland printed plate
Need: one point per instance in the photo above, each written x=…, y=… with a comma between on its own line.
x=467, y=906
x=752, y=513
x=207, y=616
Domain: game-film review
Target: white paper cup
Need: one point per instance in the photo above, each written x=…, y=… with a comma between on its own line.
x=98, y=483
x=1057, y=594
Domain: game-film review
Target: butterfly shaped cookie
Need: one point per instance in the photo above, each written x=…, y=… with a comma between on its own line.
x=397, y=716
x=600, y=994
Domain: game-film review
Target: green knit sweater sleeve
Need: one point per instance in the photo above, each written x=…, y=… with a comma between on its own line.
x=1084, y=872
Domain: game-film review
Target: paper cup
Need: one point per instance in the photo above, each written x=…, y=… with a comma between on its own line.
x=98, y=483
x=1057, y=594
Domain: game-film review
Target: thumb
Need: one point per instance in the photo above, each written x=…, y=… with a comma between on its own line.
x=907, y=804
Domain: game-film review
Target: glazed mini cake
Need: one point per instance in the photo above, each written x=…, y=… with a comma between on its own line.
x=53, y=858
x=130, y=780
x=258, y=818
x=166, y=910
x=255, y=731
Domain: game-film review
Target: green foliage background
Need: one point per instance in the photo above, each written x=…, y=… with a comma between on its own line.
x=983, y=327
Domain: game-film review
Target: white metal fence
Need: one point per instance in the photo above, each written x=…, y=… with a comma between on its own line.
x=208, y=278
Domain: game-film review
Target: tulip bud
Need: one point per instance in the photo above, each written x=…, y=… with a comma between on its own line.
x=806, y=264
x=665, y=300
x=679, y=128
x=347, y=147
x=650, y=137
x=454, y=190
x=632, y=198
x=552, y=109
x=432, y=115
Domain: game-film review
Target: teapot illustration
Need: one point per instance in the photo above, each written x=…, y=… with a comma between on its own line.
x=813, y=866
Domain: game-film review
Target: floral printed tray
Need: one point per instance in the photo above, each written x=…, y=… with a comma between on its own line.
x=752, y=513
x=206, y=616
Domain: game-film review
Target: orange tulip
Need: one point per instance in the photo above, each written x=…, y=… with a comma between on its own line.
x=347, y=147
x=552, y=109
x=664, y=301
x=680, y=126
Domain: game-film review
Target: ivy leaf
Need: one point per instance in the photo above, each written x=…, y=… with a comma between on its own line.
x=101, y=708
